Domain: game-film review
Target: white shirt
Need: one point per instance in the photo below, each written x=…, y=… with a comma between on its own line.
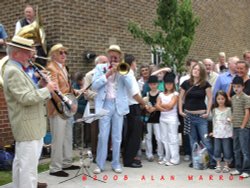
x=141, y=83
x=18, y=26
x=134, y=90
x=170, y=115
x=184, y=78
x=111, y=87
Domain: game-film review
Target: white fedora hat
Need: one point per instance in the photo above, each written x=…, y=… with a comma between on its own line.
x=115, y=48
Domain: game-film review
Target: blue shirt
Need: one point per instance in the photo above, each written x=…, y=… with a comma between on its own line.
x=3, y=34
x=29, y=71
x=222, y=83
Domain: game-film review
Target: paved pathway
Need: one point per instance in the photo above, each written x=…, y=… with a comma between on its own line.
x=152, y=175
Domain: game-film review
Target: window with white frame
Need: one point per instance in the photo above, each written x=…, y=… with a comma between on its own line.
x=156, y=55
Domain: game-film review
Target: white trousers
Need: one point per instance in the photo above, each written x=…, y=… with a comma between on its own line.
x=153, y=128
x=61, y=146
x=25, y=163
x=170, y=140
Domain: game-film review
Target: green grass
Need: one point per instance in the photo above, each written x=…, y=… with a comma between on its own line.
x=43, y=167
x=6, y=176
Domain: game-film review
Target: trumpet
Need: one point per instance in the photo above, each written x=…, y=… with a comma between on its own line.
x=123, y=68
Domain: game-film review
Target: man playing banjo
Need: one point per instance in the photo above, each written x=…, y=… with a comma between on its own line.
x=60, y=123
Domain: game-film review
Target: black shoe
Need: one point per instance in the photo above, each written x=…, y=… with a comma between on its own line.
x=59, y=174
x=231, y=165
x=212, y=166
x=109, y=157
x=191, y=165
x=137, y=161
x=134, y=165
x=41, y=185
x=72, y=167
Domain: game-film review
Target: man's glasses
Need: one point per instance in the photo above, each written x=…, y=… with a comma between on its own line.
x=63, y=52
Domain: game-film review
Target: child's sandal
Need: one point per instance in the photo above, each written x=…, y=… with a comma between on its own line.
x=218, y=169
x=226, y=169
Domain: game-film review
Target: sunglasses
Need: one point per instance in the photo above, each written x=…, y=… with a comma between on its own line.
x=63, y=52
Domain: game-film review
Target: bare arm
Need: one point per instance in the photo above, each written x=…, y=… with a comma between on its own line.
x=140, y=100
x=2, y=41
x=171, y=104
x=158, y=105
x=180, y=102
x=166, y=69
x=229, y=92
x=209, y=102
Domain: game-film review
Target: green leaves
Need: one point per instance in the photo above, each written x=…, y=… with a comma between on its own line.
x=177, y=24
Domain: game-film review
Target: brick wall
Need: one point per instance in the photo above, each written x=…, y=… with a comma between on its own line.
x=223, y=27
x=91, y=25
x=5, y=131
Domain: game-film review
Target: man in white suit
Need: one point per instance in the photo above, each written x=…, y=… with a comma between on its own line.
x=111, y=95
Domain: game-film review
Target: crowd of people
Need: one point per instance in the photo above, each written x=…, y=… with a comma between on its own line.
x=210, y=103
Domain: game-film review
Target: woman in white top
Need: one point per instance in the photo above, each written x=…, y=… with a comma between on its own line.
x=169, y=122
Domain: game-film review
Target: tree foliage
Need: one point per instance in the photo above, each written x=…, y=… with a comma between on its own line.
x=175, y=28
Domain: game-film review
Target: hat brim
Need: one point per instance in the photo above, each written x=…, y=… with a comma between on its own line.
x=56, y=49
x=20, y=46
x=114, y=50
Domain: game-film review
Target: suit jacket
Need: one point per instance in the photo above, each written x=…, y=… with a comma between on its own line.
x=91, y=93
x=58, y=76
x=123, y=84
x=26, y=104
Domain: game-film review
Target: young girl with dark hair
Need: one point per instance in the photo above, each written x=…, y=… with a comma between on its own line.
x=222, y=131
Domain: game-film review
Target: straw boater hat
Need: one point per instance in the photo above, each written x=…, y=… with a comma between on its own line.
x=20, y=42
x=57, y=47
x=115, y=48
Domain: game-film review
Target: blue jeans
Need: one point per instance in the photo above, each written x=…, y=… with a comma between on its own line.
x=223, y=145
x=241, y=149
x=199, y=132
x=116, y=120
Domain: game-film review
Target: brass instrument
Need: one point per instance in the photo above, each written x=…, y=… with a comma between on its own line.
x=123, y=68
x=35, y=32
x=32, y=31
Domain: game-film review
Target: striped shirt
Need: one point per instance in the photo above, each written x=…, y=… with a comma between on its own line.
x=239, y=104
